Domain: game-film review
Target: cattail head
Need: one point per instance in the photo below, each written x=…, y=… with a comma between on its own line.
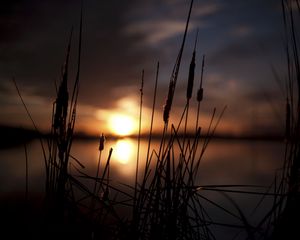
x=142, y=83
x=167, y=106
x=191, y=77
x=200, y=95
x=61, y=103
x=61, y=108
x=200, y=90
x=166, y=113
x=101, y=142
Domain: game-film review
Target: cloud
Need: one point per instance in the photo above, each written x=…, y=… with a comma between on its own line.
x=158, y=30
x=241, y=31
x=161, y=22
x=206, y=9
x=37, y=51
x=256, y=50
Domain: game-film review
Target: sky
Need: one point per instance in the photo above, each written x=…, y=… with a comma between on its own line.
x=242, y=42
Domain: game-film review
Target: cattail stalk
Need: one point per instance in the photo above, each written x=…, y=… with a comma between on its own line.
x=61, y=103
x=189, y=90
x=172, y=84
x=141, y=196
x=101, y=148
x=167, y=106
x=106, y=168
x=191, y=77
x=60, y=134
x=135, y=207
x=200, y=92
x=153, y=110
x=174, y=76
x=26, y=173
x=288, y=120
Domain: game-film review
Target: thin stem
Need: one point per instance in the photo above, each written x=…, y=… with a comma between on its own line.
x=139, y=138
x=200, y=93
x=32, y=121
x=186, y=122
x=153, y=109
x=97, y=173
x=26, y=173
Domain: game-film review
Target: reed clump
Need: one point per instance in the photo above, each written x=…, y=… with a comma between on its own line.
x=168, y=201
x=164, y=204
x=286, y=210
x=281, y=221
x=167, y=204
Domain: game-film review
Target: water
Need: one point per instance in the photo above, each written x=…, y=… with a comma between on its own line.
x=224, y=162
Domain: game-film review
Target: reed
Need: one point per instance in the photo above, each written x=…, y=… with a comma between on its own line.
x=190, y=85
x=167, y=205
x=286, y=208
x=168, y=202
x=280, y=222
x=26, y=173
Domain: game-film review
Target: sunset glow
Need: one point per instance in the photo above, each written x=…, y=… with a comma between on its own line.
x=166, y=119
x=122, y=125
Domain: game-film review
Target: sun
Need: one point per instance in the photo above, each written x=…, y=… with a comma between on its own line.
x=122, y=125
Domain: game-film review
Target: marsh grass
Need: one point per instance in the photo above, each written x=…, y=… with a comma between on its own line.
x=166, y=200
x=286, y=210
x=282, y=219
x=165, y=204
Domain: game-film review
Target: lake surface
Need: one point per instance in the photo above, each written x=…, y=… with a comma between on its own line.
x=224, y=162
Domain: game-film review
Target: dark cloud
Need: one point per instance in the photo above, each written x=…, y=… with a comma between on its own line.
x=258, y=47
x=37, y=49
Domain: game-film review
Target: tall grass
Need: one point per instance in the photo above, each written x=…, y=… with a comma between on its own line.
x=282, y=220
x=286, y=210
x=167, y=202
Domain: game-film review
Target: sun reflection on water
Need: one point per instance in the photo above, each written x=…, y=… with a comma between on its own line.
x=124, y=151
x=124, y=157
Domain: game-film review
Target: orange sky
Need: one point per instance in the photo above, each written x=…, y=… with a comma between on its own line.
x=242, y=42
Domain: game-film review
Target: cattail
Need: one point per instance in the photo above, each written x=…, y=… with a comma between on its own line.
x=200, y=95
x=191, y=77
x=167, y=106
x=61, y=105
x=101, y=142
x=61, y=108
x=189, y=90
x=288, y=119
x=200, y=90
x=172, y=85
